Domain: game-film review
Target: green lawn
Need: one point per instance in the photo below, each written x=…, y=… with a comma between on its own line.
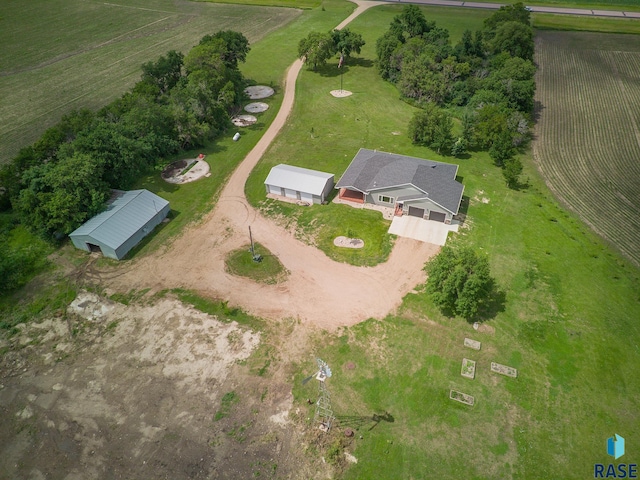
x=544, y=21
x=268, y=270
x=266, y=63
x=274, y=3
x=628, y=5
x=324, y=133
x=567, y=319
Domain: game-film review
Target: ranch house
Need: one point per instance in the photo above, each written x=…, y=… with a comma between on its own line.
x=411, y=186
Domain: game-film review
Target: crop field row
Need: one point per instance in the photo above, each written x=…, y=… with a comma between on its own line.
x=588, y=137
x=90, y=53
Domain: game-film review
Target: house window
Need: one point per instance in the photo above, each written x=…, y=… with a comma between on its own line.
x=385, y=199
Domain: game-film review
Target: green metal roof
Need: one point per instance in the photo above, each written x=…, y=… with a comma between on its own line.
x=127, y=214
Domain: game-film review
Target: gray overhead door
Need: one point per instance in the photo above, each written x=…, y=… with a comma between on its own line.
x=416, y=212
x=437, y=216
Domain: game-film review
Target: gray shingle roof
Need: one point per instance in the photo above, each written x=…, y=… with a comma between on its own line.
x=371, y=170
x=128, y=213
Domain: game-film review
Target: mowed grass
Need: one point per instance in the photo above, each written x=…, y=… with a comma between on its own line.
x=567, y=319
x=266, y=64
x=274, y=3
x=589, y=4
x=324, y=133
x=64, y=55
x=267, y=270
x=544, y=21
x=588, y=129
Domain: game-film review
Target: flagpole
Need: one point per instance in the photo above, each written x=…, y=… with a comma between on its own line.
x=340, y=67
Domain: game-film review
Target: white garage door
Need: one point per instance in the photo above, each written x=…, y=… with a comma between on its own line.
x=290, y=193
x=275, y=190
x=306, y=197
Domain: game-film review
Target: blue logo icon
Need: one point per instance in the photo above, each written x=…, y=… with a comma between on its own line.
x=615, y=446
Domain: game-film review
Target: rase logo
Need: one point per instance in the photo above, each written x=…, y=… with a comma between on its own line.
x=615, y=448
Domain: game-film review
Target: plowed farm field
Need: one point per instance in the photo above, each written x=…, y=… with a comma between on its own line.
x=61, y=55
x=588, y=135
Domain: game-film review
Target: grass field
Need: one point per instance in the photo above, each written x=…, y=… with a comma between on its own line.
x=372, y=118
x=543, y=21
x=266, y=64
x=589, y=141
x=273, y=3
x=568, y=320
x=597, y=4
x=87, y=53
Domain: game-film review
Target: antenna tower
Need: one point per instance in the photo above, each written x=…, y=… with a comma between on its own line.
x=324, y=413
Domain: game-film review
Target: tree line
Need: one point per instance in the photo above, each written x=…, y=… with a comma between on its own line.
x=179, y=103
x=486, y=80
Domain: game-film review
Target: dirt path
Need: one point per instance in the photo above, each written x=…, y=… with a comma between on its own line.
x=319, y=290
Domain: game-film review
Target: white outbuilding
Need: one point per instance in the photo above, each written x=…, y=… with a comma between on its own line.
x=298, y=183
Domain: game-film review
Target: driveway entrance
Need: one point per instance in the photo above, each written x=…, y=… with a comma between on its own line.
x=426, y=231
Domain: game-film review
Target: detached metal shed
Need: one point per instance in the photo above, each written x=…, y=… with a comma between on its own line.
x=299, y=183
x=128, y=219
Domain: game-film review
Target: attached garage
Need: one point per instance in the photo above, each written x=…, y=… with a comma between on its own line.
x=129, y=217
x=416, y=212
x=437, y=216
x=300, y=184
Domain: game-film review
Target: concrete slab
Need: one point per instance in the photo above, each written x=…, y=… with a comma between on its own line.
x=427, y=231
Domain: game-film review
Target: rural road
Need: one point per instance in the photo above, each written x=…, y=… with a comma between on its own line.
x=534, y=9
x=318, y=290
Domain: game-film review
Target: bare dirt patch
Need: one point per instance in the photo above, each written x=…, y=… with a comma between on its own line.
x=185, y=171
x=116, y=391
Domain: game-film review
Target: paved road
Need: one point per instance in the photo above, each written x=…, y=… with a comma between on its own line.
x=534, y=9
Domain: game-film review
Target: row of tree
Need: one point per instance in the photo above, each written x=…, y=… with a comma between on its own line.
x=487, y=79
x=180, y=102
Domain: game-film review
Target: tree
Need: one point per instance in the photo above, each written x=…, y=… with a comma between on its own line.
x=502, y=149
x=386, y=46
x=459, y=281
x=165, y=72
x=513, y=78
x=345, y=42
x=410, y=23
x=514, y=38
x=511, y=171
x=316, y=49
x=60, y=197
x=507, y=13
x=236, y=46
x=432, y=127
x=459, y=147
